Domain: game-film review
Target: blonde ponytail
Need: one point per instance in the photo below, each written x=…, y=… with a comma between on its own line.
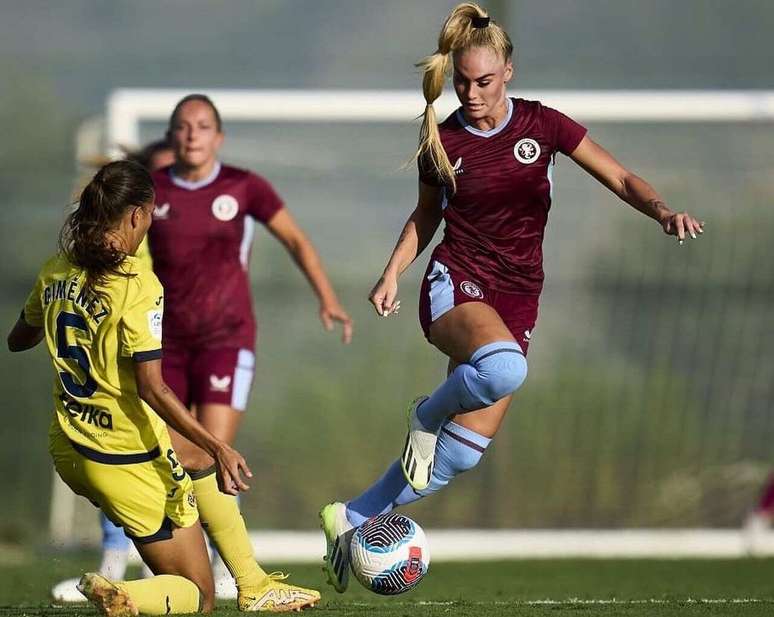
x=457, y=33
x=430, y=149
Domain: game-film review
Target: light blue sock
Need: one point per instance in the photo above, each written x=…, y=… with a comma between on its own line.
x=458, y=450
x=113, y=536
x=493, y=372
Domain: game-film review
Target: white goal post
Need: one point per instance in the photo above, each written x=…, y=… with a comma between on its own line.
x=127, y=108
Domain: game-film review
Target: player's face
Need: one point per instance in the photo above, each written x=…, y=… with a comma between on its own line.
x=195, y=135
x=480, y=78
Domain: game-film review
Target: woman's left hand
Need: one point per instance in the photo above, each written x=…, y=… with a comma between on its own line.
x=681, y=224
x=332, y=312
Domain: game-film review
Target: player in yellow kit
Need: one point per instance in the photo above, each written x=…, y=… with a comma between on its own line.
x=115, y=544
x=99, y=310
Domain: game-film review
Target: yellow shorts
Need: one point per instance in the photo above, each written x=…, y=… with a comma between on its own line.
x=146, y=498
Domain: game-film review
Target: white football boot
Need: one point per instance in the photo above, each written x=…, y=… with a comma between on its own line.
x=225, y=585
x=67, y=591
x=419, y=452
x=756, y=534
x=338, y=534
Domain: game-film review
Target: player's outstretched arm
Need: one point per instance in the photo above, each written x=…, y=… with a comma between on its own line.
x=24, y=336
x=284, y=227
x=416, y=235
x=634, y=190
x=229, y=463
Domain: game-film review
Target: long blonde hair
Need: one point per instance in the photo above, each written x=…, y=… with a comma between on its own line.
x=462, y=29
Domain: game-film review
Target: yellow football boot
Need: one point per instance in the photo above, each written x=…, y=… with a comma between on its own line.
x=278, y=597
x=109, y=599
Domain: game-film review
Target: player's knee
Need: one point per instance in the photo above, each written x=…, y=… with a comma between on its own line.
x=506, y=379
x=499, y=373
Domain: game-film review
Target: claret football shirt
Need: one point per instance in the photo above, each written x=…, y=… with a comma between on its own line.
x=496, y=217
x=200, y=242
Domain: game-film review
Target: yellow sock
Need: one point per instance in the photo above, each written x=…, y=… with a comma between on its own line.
x=225, y=526
x=165, y=594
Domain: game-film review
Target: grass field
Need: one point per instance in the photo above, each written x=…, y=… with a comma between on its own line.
x=534, y=587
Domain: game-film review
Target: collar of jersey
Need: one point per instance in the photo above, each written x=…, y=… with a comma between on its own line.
x=491, y=132
x=131, y=263
x=198, y=184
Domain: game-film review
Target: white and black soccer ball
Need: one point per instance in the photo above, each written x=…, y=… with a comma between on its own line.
x=389, y=554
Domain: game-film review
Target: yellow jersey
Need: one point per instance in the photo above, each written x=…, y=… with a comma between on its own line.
x=94, y=339
x=144, y=255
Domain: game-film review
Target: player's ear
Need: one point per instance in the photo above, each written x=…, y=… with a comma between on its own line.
x=508, y=75
x=138, y=213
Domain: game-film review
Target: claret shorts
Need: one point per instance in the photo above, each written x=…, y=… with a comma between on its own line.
x=443, y=288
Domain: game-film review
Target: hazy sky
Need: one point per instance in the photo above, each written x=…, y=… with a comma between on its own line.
x=86, y=47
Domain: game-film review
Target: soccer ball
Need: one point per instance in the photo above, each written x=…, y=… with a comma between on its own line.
x=389, y=554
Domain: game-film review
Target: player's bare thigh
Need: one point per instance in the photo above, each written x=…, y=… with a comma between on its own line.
x=221, y=420
x=191, y=456
x=184, y=554
x=460, y=331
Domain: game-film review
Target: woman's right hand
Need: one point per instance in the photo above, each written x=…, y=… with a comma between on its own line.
x=229, y=467
x=383, y=295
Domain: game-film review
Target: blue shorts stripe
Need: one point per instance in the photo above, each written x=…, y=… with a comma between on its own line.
x=441, y=290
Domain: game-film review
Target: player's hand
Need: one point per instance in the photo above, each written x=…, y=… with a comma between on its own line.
x=230, y=466
x=682, y=224
x=332, y=312
x=384, y=296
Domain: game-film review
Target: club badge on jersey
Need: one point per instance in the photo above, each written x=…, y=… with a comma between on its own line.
x=526, y=151
x=225, y=207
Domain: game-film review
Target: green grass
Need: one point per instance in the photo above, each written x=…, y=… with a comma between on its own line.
x=533, y=587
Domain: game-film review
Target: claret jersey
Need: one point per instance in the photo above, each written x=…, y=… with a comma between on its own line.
x=94, y=339
x=496, y=218
x=200, y=242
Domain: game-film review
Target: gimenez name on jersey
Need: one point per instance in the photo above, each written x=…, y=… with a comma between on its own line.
x=71, y=290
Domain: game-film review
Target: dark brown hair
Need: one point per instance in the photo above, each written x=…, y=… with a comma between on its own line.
x=203, y=98
x=114, y=188
x=144, y=156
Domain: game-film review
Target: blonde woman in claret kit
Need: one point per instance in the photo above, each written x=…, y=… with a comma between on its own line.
x=486, y=172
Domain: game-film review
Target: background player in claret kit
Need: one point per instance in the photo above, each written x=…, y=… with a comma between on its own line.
x=115, y=543
x=757, y=524
x=200, y=245
x=100, y=311
x=154, y=155
x=486, y=170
